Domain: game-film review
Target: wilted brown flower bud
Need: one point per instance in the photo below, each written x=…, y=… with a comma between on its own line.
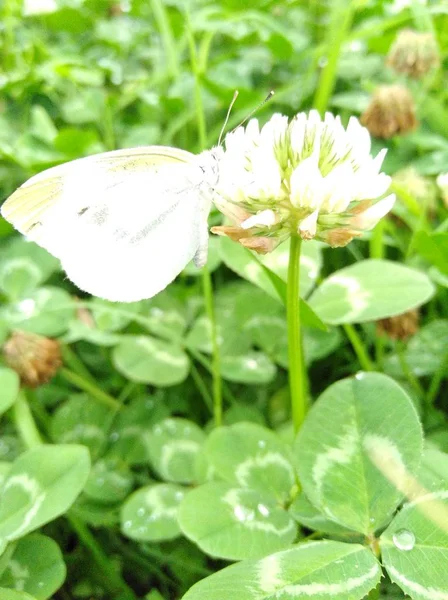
x=400, y=327
x=413, y=53
x=391, y=112
x=36, y=359
x=115, y=9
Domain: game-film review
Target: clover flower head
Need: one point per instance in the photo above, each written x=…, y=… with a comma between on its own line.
x=414, y=53
x=36, y=359
x=307, y=176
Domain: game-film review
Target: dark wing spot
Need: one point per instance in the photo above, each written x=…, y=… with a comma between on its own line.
x=31, y=227
x=82, y=211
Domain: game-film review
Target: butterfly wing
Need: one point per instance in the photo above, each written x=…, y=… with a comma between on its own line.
x=123, y=223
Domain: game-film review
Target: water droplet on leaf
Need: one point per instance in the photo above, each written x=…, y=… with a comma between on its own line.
x=404, y=539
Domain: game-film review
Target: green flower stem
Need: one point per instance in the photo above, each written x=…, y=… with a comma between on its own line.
x=25, y=423
x=359, y=348
x=72, y=361
x=341, y=20
x=377, y=240
x=202, y=360
x=163, y=23
x=207, y=285
x=436, y=381
x=414, y=382
x=112, y=578
x=202, y=388
x=86, y=386
x=295, y=354
x=377, y=251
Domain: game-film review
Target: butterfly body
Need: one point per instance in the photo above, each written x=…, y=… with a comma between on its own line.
x=123, y=223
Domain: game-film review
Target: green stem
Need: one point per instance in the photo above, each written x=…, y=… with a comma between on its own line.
x=359, y=348
x=202, y=360
x=72, y=361
x=25, y=423
x=207, y=285
x=341, y=21
x=216, y=355
x=90, y=388
x=113, y=579
x=202, y=388
x=436, y=381
x=377, y=240
x=295, y=355
x=197, y=72
x=169, y=42
x=415, y=383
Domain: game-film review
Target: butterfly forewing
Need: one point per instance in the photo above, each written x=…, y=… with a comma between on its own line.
x=123, y=223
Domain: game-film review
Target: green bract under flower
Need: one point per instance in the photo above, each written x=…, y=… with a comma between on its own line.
x=307, y=176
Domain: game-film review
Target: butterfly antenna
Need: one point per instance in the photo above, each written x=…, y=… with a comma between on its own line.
x=252, y=112
x=235, y=96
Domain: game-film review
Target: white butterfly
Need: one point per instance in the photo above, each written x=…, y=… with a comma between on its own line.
x=125, y=223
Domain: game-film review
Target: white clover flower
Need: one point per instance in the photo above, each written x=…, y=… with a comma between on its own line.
x=442, y=182
x=307, y=176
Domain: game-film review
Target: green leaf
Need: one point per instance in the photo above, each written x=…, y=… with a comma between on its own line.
x=433, y=472
x=370, y=290
x=426, y=351
x=173, y=446
x=150, y=513
x=252, y=368
x=145, y=359
x=130, y=427
x=9, y=388
x=415, y=547
x=434, y=248
x=36, y=567
x=19, y=277
x=46, y=311
x=80, y=420
x=235, y=523
x=111, y=316
x=239, y=259
x=269, y=273
x=41, y=485
x=110, y=481
x=14, y=595
x=318, y=570
x=306, y=514
x=358, y=440
x=248, y=455
x=164, y=317
x=22, y=248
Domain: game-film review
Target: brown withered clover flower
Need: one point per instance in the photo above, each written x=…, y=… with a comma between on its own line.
x=413, y=53
x=391, y=112
x=400, y=327
x=36, y=359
